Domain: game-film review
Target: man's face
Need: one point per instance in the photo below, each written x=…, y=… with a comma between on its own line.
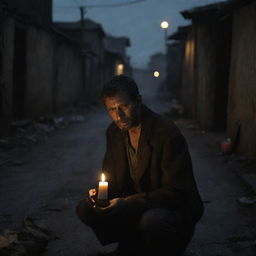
x=123, y=111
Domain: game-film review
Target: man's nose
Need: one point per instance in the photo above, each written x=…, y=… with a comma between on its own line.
x=119, y=114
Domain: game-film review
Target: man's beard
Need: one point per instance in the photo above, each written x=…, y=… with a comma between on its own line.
x=125, y=124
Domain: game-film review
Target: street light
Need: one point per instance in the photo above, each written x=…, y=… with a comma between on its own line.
x=120, y=69
x=156, y=74
x=164, y=25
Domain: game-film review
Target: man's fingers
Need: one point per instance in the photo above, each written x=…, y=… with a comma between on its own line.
x=103, y=210
x=92, y=192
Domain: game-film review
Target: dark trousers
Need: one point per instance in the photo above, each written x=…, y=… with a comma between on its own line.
x=154, y=232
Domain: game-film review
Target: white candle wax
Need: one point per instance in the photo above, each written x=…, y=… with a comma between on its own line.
x=103, y=188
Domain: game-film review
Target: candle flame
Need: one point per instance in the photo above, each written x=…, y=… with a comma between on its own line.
x=102, y=177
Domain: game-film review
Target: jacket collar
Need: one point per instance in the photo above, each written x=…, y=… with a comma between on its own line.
x=146, y=124
x=145, y=147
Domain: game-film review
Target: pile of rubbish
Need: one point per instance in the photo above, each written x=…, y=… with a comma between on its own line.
x=27, y=132
x=32, y=239
x=175, y=110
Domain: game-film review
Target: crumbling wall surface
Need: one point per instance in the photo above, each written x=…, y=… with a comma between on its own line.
x=6, y=69
x=242, y=87
x=68, y=85
x=39, y=77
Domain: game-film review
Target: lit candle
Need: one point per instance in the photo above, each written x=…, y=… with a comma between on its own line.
x=103, y=188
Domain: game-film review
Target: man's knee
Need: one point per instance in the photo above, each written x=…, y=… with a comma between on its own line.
x=160, y=228
x=154, y=220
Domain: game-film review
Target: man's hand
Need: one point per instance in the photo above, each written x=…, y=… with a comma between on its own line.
x=115, y=205
x=92, y=193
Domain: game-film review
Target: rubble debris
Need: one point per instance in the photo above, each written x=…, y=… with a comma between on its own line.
x=5, y=144
x=192, y=126
x=60, y=122
x=29, y=132
x=38, y=230
x=247, y=201
x=76, y=119
x=21, y=123
x=31, y=240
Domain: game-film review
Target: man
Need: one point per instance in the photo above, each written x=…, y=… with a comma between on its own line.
x=154, y=201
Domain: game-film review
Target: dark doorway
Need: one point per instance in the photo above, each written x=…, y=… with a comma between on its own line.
x=222, y=73
x=19, y=72
x=1, y=89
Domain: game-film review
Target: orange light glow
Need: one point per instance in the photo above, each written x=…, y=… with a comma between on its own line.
x=103, y=177
x=120, y=69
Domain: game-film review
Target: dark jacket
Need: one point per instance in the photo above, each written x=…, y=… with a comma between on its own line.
x=164, y=168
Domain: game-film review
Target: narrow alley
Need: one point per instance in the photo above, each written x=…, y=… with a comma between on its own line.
x=46, y=181
x=194, y=62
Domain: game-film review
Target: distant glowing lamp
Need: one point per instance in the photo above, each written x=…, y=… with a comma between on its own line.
x=156, y=74
x=120, y=69
x=164, y=24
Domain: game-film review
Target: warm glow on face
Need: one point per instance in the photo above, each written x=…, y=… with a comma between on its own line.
x=156, y=74
x=164, y=24
x=122, y=110
x=103, y=177
x=120, y=69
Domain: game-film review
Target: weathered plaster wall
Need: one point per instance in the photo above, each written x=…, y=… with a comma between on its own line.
x=206, y=73
x=242, y=86
x=6, y=72
x=68, y=85
x=39, y=77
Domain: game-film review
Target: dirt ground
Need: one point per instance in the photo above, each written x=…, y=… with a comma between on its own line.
x=46, y=180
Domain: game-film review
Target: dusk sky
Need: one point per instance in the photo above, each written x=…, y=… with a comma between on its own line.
x=140, y=22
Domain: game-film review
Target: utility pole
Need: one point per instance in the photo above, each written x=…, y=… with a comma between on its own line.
x=82, y=20
x=82, y=13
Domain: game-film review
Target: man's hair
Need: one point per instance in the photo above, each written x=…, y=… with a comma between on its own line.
x=120, y=84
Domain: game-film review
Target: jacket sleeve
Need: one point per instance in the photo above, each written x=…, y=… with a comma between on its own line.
x=175, y=171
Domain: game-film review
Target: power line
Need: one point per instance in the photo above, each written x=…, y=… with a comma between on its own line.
x=115, y=5
x=104, y=5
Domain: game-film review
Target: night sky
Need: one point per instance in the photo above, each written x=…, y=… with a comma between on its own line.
x=140, y=22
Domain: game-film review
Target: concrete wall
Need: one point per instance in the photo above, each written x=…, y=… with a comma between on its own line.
x=95, y=70
x=242, y=89
x=213, y=42
x=206, y=73
x=39, y=75
x=174, y=70
x=6, y=72
x=68, y=87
